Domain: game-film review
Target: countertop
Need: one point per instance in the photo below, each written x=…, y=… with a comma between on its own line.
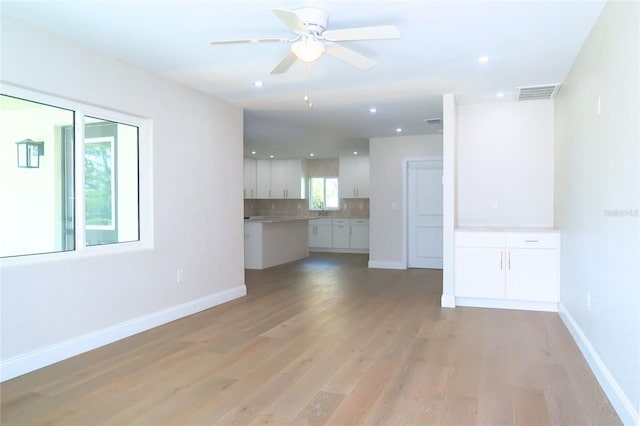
x=278, y=219
x=505, y=229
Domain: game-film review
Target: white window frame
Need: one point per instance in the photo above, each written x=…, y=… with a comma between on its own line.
x=145, y=184
x=325, y=208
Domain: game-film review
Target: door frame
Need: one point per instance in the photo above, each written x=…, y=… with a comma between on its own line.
x=405, y=202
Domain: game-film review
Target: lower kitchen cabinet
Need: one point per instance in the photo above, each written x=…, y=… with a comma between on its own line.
x=320, y=233
x=518, y=270
x=339, y=235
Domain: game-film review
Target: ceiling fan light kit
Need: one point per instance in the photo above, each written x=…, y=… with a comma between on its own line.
x=307, y=49
x=311, y=41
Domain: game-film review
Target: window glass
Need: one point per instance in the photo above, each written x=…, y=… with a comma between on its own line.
x=323, y=193
x=36, y=178
x=110, y=182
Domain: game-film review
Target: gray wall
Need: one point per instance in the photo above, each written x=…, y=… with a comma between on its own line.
x=52, y=305
x=596, y=174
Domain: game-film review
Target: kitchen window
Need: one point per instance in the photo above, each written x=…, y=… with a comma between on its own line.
x=323, y=193
x=69, y=195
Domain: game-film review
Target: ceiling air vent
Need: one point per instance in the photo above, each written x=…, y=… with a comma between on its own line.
x=535, y=93
x=433, y=120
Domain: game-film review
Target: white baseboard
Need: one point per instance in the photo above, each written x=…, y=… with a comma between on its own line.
x=448, y=301
x=25, y=363
x=382, y=264
x=628, y=414
x=337, y=250
x=522, y=305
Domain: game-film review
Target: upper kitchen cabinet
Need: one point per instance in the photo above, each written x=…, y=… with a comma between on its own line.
x=280, y=179
x=354, y=177
x=250, y=178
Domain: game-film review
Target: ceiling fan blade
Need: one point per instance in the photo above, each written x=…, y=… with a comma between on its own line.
x=285, y=63
x=251, y=40
x=350, y=57
x=384, y=32
x=291, y=20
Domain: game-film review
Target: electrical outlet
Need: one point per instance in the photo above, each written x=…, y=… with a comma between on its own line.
x=179, y=275
x=598, y=106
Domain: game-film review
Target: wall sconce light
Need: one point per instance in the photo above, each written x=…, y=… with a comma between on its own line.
x=29, y=153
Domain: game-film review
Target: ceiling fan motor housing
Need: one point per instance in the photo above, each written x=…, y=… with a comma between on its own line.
x=314, y=19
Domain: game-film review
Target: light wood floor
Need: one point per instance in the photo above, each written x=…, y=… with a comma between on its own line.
x=325, y=341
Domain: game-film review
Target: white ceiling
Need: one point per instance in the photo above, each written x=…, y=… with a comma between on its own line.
x=527, y=42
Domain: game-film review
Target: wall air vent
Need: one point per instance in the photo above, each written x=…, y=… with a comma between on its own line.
x=433, y=121
x=535, y=93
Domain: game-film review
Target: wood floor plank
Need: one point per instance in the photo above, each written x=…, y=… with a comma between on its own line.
x=529, y=407
x=325, y=340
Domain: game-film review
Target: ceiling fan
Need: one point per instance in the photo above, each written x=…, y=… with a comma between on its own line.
x=311, y=40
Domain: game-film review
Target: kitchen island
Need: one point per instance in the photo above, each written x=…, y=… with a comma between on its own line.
x=271, y=241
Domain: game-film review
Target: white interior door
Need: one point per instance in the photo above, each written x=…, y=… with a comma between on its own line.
x=424, y=224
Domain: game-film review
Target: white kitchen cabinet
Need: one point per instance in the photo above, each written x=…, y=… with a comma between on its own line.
x=512, y=269
x=250, y=178
x=320, y=233
x=354, y=177
x=263, y=177
x=340, y=233
x=281, y=179
x=359, y=233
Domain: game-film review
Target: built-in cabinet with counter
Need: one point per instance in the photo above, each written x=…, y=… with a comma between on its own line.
x=349, y=235
x=507, y=269
x=278, y=179
x=354, y=177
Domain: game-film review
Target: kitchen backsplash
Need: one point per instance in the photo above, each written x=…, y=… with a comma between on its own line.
x=349, y=207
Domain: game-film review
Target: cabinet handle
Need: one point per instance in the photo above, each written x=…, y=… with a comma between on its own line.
x=530, y=241
x=509, y=260
x=501, y=260
x=269, y=193
x=349, y=230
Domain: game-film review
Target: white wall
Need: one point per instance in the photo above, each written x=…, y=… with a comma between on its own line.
x=386, y=156
x=598, y=172
x=52, y=307
x=505, y=159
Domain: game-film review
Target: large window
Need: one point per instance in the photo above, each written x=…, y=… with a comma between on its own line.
x=59, y=194
x=323, y=193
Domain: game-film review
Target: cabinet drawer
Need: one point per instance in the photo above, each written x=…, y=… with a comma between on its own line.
x=359, y=221
x=480, y=239
x=340, y=221
x=534, y=240
x=322, y=221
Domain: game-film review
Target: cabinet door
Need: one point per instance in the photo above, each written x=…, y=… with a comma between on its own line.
x=295, y=177
x=323, y=236
x=480, y=272
x=359, y=238
x=347, y=177
x=362, y=177
x=278, y=178
x=532, y=274
x=250, y=178
x=340, y=233
x=263, y=177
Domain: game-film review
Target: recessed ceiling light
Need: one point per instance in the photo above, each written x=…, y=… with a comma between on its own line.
x=253, y=152
x=311, y=155
x=258, y=83
x=355, y=152
x=483, y=59
x=500, y=94
x=372, y=110
x=399, y=130
x=271, y=156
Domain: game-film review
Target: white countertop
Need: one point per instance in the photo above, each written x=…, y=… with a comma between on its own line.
x=278, y=219
x=505, y=229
